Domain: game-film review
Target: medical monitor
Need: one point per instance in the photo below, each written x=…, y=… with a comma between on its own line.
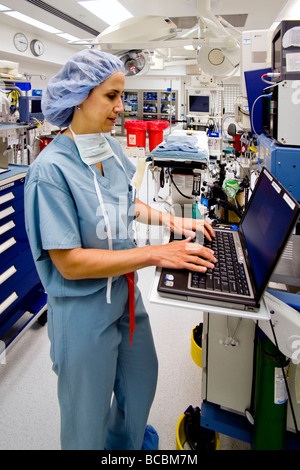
x=276, y=51
x=285, y=47
x=198, y=104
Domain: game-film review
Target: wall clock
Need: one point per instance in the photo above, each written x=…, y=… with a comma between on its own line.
x=20, y=42
x=37, y=47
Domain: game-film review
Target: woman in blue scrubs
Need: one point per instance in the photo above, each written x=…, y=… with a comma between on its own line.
x=79, y=209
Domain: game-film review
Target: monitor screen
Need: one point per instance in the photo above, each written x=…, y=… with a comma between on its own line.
x=276, y=52
x=270, y=212
x=36, y=105
x=199, y=104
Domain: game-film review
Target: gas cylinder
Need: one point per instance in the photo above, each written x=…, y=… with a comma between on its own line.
x=270, y=396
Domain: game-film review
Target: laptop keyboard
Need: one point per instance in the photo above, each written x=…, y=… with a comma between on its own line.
x=228, y=275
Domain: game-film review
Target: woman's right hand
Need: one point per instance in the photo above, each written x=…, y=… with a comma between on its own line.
x=183, y=255
x=91, y=263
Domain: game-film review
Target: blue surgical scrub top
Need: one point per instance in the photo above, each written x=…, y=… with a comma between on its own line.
x=62, y=210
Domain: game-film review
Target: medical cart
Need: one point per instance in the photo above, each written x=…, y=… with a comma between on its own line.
x=229, y=401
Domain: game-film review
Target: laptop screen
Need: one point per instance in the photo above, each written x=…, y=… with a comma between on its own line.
x=266, y=224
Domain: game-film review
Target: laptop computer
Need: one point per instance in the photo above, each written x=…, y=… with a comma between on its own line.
x=247, y=254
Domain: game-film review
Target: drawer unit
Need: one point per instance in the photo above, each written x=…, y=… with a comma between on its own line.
x=20, y=286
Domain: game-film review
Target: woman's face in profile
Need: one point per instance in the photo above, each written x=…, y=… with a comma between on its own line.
x=101, y=108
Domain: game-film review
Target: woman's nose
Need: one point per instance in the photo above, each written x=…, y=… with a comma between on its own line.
x=119, y=106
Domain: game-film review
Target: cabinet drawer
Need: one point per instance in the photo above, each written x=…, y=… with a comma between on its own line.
x=11, y=208
x=17, y=294
x=11, y=192
x=14, y=240
x=13, y=226
x=11, y=248
x=14, y=271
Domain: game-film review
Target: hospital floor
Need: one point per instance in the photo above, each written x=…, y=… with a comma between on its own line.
x=29, y=411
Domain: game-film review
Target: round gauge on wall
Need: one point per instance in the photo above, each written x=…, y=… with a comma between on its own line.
x=20, y=42
x=36, y=47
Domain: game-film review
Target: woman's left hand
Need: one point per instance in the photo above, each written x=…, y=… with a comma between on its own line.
x=188, y=227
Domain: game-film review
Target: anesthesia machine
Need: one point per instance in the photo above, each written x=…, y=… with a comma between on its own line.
x=246, y=359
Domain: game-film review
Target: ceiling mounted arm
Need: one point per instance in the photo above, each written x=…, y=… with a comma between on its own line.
x=213, y=23
x=220, y=55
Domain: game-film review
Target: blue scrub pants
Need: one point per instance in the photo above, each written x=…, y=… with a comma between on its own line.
x=105, y=386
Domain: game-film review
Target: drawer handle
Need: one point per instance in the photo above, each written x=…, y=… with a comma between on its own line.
x=7, y=274
x=6, y=212
x=7, y=244
x=6, y=227
x=8, y=302
x=7, y=197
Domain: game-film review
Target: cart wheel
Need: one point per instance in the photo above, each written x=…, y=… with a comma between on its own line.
x=43, y=318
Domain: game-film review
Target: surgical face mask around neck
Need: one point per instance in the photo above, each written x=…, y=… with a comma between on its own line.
x=92, y=148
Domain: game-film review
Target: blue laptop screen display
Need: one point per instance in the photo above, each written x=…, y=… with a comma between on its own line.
x=265, y=226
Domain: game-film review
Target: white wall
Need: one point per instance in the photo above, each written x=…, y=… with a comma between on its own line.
x=56, y=53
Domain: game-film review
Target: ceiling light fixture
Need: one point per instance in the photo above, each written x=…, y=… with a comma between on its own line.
x=4, y=7
x=112, y=12
x=68, y=37
x=27, y=19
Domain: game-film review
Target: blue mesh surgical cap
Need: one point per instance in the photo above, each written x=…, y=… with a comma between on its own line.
x=73, y=83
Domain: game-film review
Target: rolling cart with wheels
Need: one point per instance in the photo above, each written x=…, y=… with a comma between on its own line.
x=229, y=369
